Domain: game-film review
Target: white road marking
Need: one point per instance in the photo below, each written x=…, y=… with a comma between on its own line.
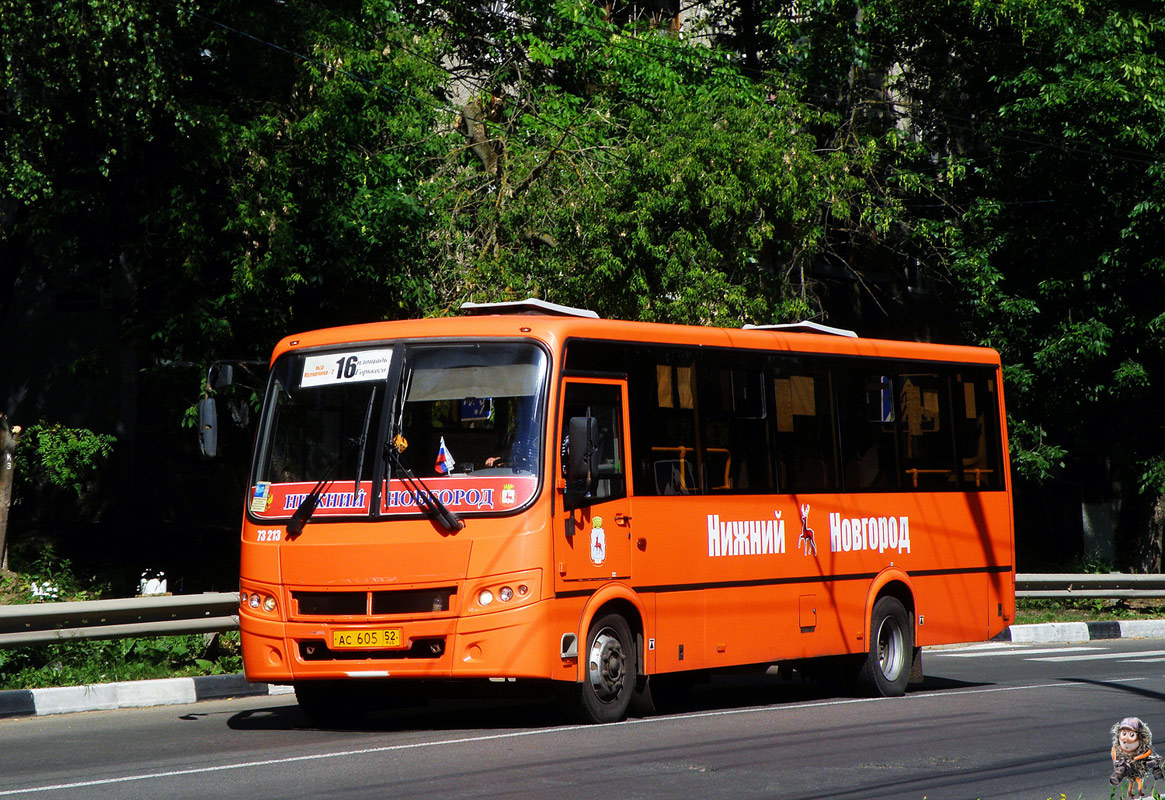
x=1102, y=656
x=1017, y=650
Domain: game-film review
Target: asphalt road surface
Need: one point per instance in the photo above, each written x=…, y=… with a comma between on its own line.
x=991, y=721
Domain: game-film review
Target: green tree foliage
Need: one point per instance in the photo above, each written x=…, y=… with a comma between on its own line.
x=963, y=171
x=68, y=458
x=648, y=179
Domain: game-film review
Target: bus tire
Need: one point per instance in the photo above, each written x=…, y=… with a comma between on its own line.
x=609, y=671
x=330, y=704
x=886, y=670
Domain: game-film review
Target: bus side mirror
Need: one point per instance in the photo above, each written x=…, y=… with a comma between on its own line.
x=208, y=427
x=582, y=452
x=220, y=376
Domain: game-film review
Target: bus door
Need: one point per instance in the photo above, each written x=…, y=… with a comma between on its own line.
x=593, y=516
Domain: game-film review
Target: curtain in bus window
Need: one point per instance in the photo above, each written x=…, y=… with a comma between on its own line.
x=803, y=455
x=976, y=426
x=927, y=452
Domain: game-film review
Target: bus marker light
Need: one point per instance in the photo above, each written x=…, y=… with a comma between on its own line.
x=523, y=590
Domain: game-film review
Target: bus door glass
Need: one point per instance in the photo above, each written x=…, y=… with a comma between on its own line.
x=593, y=522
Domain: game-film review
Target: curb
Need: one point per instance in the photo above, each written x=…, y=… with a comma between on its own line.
x=176, y=691
x=1044, y=632
x=129, y=694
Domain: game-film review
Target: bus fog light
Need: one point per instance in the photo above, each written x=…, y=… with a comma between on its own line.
x=254, y=601
x=485, y=597
x=505, y=594
x=269, y=604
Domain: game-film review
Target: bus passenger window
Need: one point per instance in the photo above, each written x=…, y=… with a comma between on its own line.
x=977, y=431
x=803, y=419
x=868, y=425
x=669, y=432
x=928, y=458
x=734, y=425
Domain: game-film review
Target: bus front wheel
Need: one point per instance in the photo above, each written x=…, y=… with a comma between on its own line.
x=610, y=670
x=886, y=670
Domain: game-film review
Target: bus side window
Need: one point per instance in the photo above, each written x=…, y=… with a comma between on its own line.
x=804, y=428
x=927, y=450
x=976, y=426
x=605, y=404
x=734, y=424
x=668, y=433
x=868, y=422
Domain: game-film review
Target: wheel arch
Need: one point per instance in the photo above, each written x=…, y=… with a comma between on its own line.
x=614, y=598
x=892, y=582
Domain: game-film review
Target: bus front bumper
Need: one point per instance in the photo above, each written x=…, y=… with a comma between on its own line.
x=516, y=643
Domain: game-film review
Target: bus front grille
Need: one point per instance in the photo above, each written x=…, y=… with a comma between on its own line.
x=378, y=603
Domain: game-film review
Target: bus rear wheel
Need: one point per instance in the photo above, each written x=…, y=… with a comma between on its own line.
x=886, y=670
x=609, y=673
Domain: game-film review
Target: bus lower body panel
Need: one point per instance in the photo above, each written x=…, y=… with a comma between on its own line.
x=518, y=643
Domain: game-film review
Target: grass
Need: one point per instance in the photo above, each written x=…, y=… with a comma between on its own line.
x=1035, y=611
x=81, y=662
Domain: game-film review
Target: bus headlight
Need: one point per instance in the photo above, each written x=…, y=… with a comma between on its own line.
x=505, y=591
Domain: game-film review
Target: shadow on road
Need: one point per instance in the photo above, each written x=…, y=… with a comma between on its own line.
x=447, y=707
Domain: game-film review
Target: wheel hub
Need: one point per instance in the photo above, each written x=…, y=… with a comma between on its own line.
x=608, y=668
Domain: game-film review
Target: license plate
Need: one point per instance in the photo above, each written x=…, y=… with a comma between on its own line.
x=373, y=639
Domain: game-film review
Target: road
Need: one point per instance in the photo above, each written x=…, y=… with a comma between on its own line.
x=991, y=721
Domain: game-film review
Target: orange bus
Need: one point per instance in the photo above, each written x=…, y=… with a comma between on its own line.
x=530, y=492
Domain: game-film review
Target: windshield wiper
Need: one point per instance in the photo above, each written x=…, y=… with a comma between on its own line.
x=428, y=501
x=364, y=439
x=308, y=506
x=306, y=509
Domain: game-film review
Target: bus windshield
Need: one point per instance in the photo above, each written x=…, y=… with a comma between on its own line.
x=466, y=418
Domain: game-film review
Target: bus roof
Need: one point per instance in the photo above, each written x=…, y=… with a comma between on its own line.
x=557, y=327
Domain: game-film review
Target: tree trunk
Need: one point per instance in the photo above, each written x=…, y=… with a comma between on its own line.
x=9, y=437
x=1151, y=550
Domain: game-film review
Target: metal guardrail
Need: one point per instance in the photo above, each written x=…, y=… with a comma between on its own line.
x=43, y=623
x=1110, y=586
x=164, y=615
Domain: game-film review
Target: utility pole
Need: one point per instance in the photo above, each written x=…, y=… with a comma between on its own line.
x=9, y=438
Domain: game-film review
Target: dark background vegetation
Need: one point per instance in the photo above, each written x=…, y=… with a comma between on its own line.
x=185, y=181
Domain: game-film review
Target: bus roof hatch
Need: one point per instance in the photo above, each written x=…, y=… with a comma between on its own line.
x=803, y=327
x=528, y=306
